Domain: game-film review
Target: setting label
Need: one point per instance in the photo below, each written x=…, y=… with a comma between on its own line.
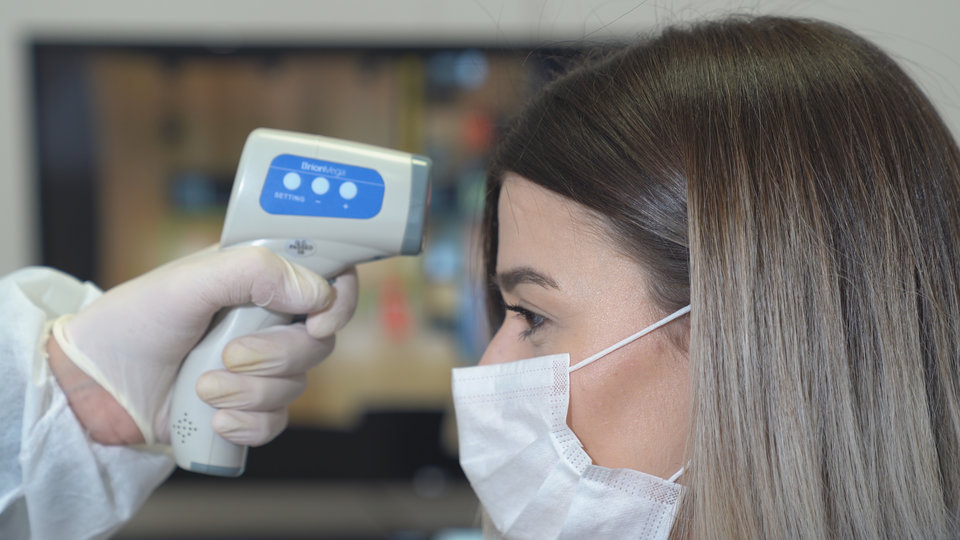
x=300, y=186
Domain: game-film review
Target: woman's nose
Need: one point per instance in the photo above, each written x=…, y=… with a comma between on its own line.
x=498, y=350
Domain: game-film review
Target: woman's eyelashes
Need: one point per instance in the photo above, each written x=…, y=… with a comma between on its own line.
x=533, y=320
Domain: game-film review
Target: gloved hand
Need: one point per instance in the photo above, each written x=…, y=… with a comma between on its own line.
x=131, y=341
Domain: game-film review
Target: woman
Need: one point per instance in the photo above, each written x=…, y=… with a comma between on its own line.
x=790, y=183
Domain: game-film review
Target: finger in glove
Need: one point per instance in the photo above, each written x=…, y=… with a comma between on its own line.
x=249, y=428
x=278, y=351
x=335, y=316
x=225, y=390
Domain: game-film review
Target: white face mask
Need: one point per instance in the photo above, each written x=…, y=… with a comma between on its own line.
x=528, y=468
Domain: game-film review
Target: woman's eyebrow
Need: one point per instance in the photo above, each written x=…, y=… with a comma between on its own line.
x=509, y=279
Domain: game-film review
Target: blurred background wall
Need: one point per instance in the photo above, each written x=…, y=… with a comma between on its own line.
x=921, y=33
x=121, y=126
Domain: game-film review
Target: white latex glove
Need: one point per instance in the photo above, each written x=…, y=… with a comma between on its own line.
x=132, y=339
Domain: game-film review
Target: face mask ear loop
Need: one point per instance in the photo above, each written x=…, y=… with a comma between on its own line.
x=678, y=474
x=669, y=318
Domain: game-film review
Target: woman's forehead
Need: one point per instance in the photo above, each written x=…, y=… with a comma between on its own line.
x=542, y=229
x=522, y=198
x=531, y=213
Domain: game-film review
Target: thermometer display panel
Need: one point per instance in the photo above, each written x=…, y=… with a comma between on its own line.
x=301, y=186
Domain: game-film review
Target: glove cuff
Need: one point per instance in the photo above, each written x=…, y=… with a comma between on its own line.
x=85, y=364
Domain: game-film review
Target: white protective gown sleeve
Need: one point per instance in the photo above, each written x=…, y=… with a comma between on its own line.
x=55, y=482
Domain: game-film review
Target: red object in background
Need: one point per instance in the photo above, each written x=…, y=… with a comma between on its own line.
x=395, y=313
x=478, y=132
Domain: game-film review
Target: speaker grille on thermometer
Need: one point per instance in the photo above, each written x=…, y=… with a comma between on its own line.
x=184, y=427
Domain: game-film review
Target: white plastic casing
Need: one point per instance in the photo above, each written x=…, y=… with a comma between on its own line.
x=325, y=244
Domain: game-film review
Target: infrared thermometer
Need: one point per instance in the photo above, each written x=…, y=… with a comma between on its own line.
x=324, y=203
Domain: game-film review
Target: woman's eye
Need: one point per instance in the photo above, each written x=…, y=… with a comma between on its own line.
x=533, y=320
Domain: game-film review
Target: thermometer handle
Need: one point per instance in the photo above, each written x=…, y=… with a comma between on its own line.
x=196, y=446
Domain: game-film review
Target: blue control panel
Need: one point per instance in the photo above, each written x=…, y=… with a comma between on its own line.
x=300, y=186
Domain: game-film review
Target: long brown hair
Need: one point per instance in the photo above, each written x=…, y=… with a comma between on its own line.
x=787, y=179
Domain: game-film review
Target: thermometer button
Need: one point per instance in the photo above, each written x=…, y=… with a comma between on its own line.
x=291, y=181
x=320, y=185
x=348, y=190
